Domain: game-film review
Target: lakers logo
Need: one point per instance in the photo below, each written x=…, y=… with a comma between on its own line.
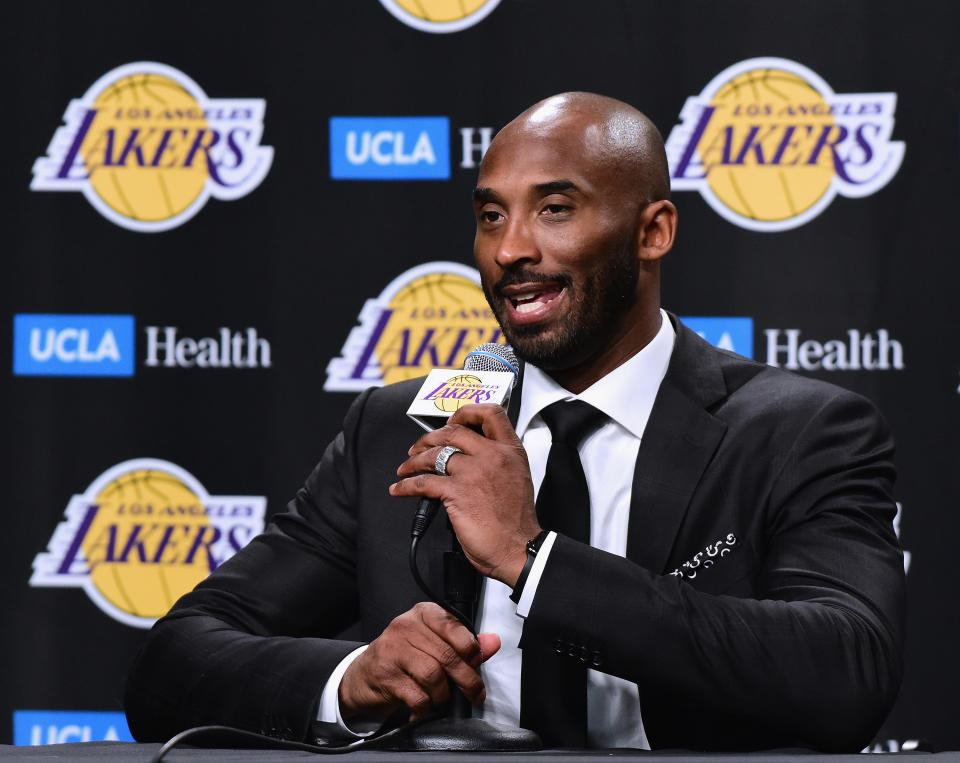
x=428, y=317
x=143, y=534
x=148, y=148
x=440, y=16
x=457, y=391
x=768, y=144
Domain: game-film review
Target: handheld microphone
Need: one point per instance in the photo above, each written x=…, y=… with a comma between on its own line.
x=485, y=357
x=461, y=582
x=488, y=376
x=493, y=357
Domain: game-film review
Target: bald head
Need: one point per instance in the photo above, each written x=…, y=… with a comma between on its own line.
x=615, y=135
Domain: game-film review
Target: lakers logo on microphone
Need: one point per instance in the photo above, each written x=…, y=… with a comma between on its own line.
x=141, y=535
x=768, y=144
x=428, y=317
x=148, y=148
x=458, y=391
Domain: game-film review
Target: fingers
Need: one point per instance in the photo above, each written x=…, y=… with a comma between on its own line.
x=412, y=664
x=456, y=649
x=377, y=683
x=460, y=432
x=492, y=420
x=424, y=485
x=426, y=461
x=450, y=434
x=456, y=655
x=462, y=427
x=449, y=629
x=489, y=645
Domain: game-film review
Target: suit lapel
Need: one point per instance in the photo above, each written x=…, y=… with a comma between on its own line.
x=678, y=443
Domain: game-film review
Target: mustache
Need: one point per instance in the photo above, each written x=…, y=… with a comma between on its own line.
x=514, y=277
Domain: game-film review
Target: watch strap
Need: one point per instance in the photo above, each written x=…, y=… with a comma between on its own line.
x=533, y=548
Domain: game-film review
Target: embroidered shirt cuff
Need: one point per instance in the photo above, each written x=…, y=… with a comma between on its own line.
x=533, y=579
x=329, y=710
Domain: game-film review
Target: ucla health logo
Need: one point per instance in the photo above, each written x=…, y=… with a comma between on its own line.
x=148, y=148
x=144, y=533
x=389, y=148
x=768, y=144
x=428, y=317
x=73, y=345
x=37, y=727
x=727, y=333
x=440, y=16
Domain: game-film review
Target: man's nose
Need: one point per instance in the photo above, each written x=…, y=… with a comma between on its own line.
x=518, y=244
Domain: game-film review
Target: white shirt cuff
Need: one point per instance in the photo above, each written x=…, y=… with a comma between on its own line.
x=533, y=579
x=329, y=710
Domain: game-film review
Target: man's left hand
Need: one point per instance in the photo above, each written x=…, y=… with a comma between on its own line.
x=487, y=490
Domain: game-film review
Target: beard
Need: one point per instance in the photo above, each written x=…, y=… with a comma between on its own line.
x=595, y=307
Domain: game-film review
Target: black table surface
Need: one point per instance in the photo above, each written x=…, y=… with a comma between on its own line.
x=142, y=753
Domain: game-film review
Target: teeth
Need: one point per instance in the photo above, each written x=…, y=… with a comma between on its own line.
x=529, y=301
x=527, y=307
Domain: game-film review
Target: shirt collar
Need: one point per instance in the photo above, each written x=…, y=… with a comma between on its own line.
x=626, y=394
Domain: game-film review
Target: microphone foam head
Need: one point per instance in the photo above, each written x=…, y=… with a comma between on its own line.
x=493, y=357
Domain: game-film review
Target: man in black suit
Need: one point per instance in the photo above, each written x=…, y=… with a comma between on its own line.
x=754, y=599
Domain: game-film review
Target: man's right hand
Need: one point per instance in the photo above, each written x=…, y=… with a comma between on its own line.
x=410, y=664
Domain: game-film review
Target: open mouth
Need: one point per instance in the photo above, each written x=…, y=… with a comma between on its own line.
x=529, y=298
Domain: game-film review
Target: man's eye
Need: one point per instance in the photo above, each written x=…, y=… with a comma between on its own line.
x=490, y=216
x=555, y=209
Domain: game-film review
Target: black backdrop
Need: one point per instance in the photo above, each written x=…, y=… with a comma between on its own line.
x=297, y=257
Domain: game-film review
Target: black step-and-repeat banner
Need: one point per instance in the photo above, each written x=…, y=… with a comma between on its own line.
x=223, y=219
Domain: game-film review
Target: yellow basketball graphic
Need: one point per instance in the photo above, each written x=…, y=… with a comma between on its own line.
x=148, y=148
x=769, y=145
x=141, y=535
x=755, y=106
x=458, y=385
x=136, y=152
x=441, y=10
x=440, y=16
x=435, y=321
x=430, y=316
x=139, y=565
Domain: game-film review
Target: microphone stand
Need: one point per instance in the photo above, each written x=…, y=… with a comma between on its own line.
x=458, y=730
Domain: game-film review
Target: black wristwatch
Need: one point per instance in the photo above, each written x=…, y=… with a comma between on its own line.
x=533, y=548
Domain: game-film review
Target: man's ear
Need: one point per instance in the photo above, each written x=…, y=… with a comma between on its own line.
x=658, y=229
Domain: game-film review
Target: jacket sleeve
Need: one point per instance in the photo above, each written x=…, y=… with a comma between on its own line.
x=806, y=652
x=242, y=649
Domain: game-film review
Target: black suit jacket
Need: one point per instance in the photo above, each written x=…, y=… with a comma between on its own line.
x=760, y=604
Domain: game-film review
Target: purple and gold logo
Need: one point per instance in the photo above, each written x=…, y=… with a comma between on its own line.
x=144, y=533
x=428, y=317
x=148, y=148
x=460, y=390
x=768, y=144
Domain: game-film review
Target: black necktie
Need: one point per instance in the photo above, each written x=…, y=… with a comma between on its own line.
x=553, y=685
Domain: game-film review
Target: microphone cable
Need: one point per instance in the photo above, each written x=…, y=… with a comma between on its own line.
x=492, y=357
x=485, y=357
x=426, y=511
x=251, y=740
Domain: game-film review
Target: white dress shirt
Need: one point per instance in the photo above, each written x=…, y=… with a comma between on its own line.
x=626, y=396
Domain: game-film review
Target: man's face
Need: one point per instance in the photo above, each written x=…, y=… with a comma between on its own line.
x=555, y=245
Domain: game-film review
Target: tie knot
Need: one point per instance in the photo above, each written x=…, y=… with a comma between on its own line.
x=571, y=420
